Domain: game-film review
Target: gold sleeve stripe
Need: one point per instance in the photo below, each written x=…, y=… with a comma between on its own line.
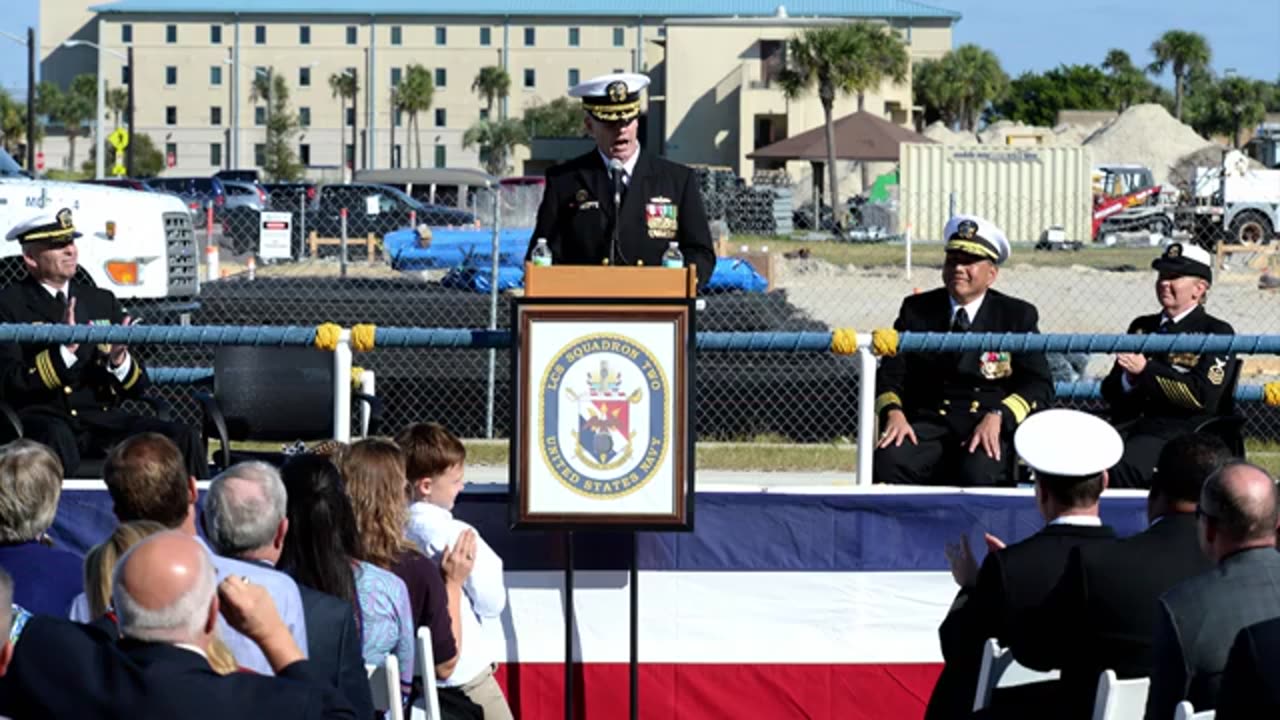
x=1018, y=406
x=887, y=399
x=1178, y=393
x=47, y=372
x=134, y=376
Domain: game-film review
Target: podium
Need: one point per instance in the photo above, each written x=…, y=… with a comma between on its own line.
x=601, y=427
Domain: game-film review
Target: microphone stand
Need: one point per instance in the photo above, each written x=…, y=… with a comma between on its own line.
x=615, y=176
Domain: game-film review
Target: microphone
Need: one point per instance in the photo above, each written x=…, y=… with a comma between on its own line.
x=615, y=175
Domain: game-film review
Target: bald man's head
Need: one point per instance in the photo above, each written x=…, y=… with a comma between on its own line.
x=164, y=590
x=1239, y=503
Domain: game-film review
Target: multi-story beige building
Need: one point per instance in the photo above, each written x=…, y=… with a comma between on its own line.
x=713, y=98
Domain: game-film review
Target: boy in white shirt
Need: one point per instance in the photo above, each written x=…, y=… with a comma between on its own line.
x=434, y=460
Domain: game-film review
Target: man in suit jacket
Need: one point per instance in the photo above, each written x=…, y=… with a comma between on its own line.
x=1251, y=681
x=245, y=518
x=1102, y=612
x=1156, y=397
x=1014, y=579
x=1200, y=617
x=168, y=601
x=646, y=200
x=947, y=418
x=69, y=396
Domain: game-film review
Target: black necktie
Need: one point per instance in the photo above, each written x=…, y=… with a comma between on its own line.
x=1165, y=325
x=62, y=300
x=960, y=323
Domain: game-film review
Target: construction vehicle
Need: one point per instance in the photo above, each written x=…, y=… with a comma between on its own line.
x=1236, y=202
x=1126, y=199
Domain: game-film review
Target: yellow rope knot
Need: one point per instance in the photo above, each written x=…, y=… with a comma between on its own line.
x=357, y=374
x=362, y=337
x=1271, y=394
x=884, y=342
x=327, y=336
x=844, y=341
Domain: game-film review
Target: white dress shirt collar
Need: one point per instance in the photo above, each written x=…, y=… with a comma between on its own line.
x=628, y=165
x=1164, y=317
x=53, y=290
x=971, y=308
x=1077, y=520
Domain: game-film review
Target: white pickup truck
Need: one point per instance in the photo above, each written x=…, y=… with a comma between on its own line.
x=138, y=245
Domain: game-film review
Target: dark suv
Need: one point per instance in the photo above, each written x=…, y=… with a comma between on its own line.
x=377, y=209
x=196, y=192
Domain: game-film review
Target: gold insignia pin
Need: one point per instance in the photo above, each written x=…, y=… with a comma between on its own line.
x=581, y=196
x=64, y=218
x=617, y=91
x=967, y=229
x=1175, y=250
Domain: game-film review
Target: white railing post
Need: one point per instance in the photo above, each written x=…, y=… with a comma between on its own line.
x=342, y=388
x=866, y=413
x=369, y=387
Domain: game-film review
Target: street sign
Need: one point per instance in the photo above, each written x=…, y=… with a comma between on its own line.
x=275, y=235
x=119, y=170
x=119, y=139
x=40, y=161
x=171, y=160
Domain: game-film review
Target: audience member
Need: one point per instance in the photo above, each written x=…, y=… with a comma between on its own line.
x=1069, y=479
x=434, y=462
x=147, y=480
x=7, y=612
x=244, y=518
x=1251, y=680
x=1102, y=613
x=325, y=551
x=168, y=601
x=100, y=562
x=47, y=579
x=1200, y=617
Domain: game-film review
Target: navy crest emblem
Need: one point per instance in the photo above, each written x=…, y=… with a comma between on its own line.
x=967, y=229
x=604, y=429
x=617, y=91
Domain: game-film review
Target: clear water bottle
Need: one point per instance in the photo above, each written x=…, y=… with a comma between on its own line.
x=541, y=254
x=673, y=258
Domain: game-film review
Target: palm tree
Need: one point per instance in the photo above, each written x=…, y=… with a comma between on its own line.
x=976, y=77
x=496, y=139
x=117, y=101
x=13, y=122
x=850, y=59
x=491, y=83
x=1127, y=84
x=414, y=96
x=344, y=86
x=932, y=90
x=1183, y=51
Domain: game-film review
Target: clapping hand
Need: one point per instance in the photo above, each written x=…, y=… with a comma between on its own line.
x=69, y=318
x=117, y=353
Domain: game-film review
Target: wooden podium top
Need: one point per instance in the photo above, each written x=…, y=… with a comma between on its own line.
x=603, y=281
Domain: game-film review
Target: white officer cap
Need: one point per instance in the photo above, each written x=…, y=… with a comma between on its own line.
x=1185, y=259
x=1068, y=443
x=978, y=236
x=611, y=97
x=50, y=228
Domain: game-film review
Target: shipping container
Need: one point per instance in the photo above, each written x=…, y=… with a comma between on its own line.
x=1023, y=190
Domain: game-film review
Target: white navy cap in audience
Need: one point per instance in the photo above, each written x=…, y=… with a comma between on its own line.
x=1068, y=443
x=47, y=227
x=1185, y=259
x=976, y=236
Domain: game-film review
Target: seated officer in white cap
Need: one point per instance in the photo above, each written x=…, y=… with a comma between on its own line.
x=660, y=200
x=1068, y=452
x=947, y=418
x=1154, y=398
x=68, y=396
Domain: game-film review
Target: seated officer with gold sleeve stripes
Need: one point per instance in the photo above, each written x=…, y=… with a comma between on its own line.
x=948, y=418
x=68, y=396
x=1154, y=398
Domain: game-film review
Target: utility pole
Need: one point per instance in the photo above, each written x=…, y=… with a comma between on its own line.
x=355, y=120
x=133, y=138
x=391, y=154
x=31, y=100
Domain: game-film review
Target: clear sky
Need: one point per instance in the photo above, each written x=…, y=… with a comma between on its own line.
x=1024, y=34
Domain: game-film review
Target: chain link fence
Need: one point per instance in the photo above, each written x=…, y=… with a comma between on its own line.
x=427, y=261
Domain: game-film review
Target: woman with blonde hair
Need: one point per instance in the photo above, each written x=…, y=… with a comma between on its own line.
x=101, y=561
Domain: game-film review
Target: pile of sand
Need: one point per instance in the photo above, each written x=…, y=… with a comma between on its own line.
x=940, y=133
x=1145, y=135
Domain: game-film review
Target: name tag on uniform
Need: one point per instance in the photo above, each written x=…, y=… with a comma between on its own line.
x=661, y=216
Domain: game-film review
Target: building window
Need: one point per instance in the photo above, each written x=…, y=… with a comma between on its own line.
x=574, y=37
x=399, y=117
x=486, y=36
x=215, y=34
x=397, y=35
x=530, y=78
x=350, y=117
x=484, y=113
x=304, y=77
x=259, y=154
x=396, y=156
x=171, y=115
x=260, y=34
x=171, y=34
x=126, y=32
x=442, y=77
x=617, y=70
x=395, y=77
x=349, y=154
x=171, y=154
x=171, y=75
x=440, y=156
x=441, y=117
x=215, y=154
x=573, y=77
x=215, y=115
x=304, y=34
x=442, y=35
x=260, y=115
x=351, y=34
x=530, y=37
x=618, y=37
x=304, y=154
x=304, y=116
x=124, y=75
x=215, y=74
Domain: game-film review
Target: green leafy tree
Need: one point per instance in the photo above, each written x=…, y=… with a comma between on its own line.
x=849, y=59
x=1227, y=106
x=932, y=90
x=344, y=87
x=117, y=101
x=560, y=118
x=496, y=140
x=279, y=161
x=13, y=122
x=492, y=83
x=414, y=96
x=1036, y=99
x=1183, y=52
x=1128, y=85
x=70, y=109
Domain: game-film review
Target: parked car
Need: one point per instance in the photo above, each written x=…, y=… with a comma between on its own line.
x=377, y=209
x=290, y=196
x=126, y=183
x=249, y=176
x=196, y=192
x=245, y=194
